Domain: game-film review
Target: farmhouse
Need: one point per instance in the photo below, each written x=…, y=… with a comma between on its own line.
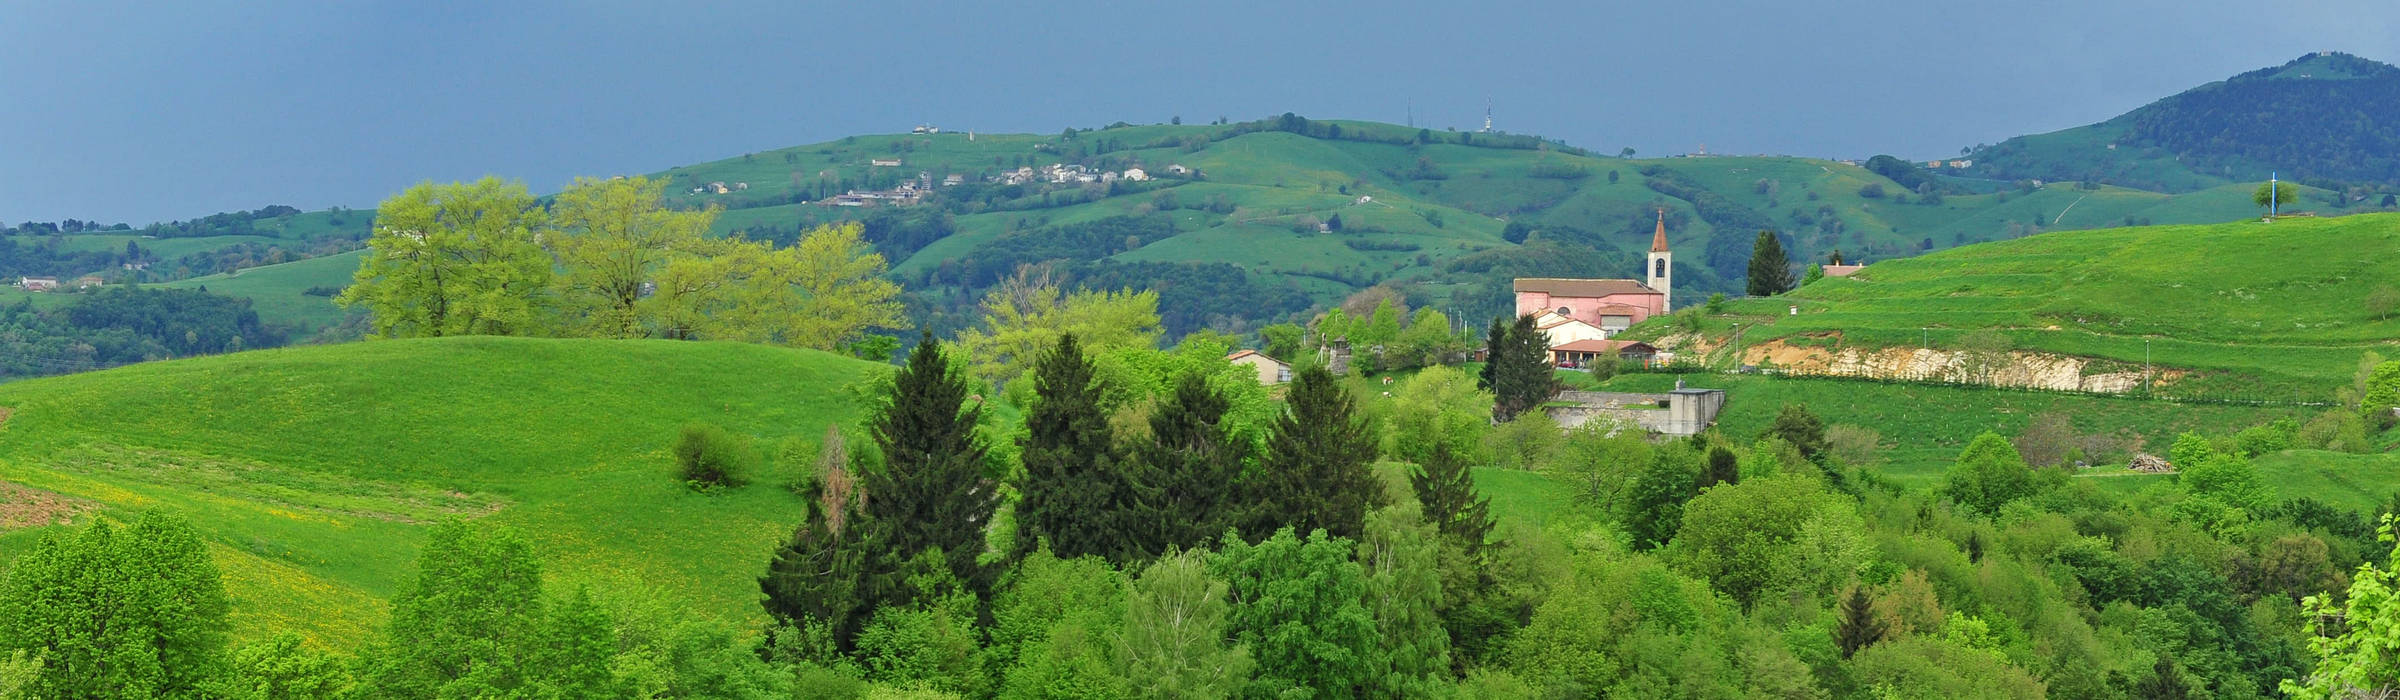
x=1843, y=270
x=1582, y=353
x=1606, y=304
x=37, y=284
x=1270, y=370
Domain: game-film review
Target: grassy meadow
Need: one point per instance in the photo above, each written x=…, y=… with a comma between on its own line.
x=316, y=471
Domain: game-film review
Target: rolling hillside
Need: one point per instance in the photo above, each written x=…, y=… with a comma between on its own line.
x=2270, y=310
x=316, y=471
x=2324, y=117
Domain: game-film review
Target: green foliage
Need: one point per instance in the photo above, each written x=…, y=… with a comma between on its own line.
x=2228, y=479
x=2276, y=194
x=934, y=490
x=454, y=259
x=283, y=667
x=2357, y=641
x=1859, y=627
x=1797, y=427
x=1315, y=469
x=1195, y=463
x=471, y=622
x=928, y=645
x=1282, y=341
x=2383, y=389
x=1024, y=317
x=1080, y=493
x=1438, y=407
x=1927, y=667
x=1446, y=490
x=1052, y=628
x=1175, y=640
x=136, y=612
x=1651, y=507
x=120, y=325
x=709, y=457
x=1770, y=269
x=611, y=237
x=1401, y=554
x=1765, y=536
x=1988, y=474
x=1297, y=605
x=1524, y=442
x=1517, y=370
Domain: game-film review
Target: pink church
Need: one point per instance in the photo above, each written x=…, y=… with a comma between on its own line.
x=1610, y=304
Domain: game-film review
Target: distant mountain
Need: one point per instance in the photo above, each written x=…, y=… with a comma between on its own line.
x=2324, y=118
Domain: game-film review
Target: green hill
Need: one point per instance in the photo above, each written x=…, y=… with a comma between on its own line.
x=316, y=471
x=2324, y=117
x=2263, y=310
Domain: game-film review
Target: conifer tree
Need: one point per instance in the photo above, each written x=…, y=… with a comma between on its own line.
x=812, y=584
x=1317, y=463
x=1859, y=627
x=1195, y=465
x=1447, y=490
x=1770, y=268
x=1723, y=468
x=1519, y=369
x=2164, y=683
x=1080, y=493
x=1487, y=377
x=934, y=490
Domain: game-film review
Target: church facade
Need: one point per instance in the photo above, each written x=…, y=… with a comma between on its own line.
x=1607, y=304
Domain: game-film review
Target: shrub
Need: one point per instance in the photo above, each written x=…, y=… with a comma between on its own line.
x=710, y=457
x=1854, y=446
x=2337, y=430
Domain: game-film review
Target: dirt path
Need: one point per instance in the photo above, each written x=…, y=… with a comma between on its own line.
x=24, y=506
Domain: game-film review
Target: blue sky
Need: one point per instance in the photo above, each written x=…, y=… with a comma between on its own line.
x=122, y=111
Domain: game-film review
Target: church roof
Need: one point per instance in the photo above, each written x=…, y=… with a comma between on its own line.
x=1658, y=241
x=1562, y=287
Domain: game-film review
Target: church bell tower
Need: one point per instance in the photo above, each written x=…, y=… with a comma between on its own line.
x=1661, y=264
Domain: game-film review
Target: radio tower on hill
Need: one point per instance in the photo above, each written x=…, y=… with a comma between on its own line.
x=1487, y=114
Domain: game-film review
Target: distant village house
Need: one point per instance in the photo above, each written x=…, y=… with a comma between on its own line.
x=37, y=284
x=1270, y=370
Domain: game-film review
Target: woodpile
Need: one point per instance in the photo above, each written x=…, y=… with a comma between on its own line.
x=2150, y=464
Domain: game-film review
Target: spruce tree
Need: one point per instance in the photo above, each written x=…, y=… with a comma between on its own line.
x=934, y=490
x=812, y=584
x=1859, y=627
x=1195, y=465
x=1317, y=461
x=1079, y=493
x=2164, y=683
x=1447, y=489
x=1723, y=468
x=1519, y=367
x=1770, y=268
x=1487, y=377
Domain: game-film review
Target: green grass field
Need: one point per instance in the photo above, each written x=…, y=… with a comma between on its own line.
x=278, y=292
x=1924, y=427
x=2276, y=310
x=315, y=471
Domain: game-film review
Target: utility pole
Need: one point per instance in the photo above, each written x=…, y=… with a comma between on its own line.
x=2146, y=367
x=2274, y=192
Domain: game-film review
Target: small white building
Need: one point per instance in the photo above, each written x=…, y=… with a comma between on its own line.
x=37, y=284
x=884, y=162
x=1136, y=174
x=1178, y=169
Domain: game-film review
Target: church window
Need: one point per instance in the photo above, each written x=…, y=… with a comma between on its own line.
x=1662, y=269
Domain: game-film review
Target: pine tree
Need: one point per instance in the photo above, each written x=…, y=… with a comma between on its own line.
x=933, y=490
x=1080, y=493
x=1806, y=433
x=1859, y=627
x=1521, y=377
x=2164, y=683
x=1770, y=268
x=812, y=583
x=1195, y=464
x=1723, y=468
x=1487, y=377
x=1447, y=489
x=1317, y=461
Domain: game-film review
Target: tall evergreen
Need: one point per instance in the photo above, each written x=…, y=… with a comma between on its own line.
x=1447, y=490
x=1318, y=461
x=1770, y=268
x=1492, y=342
x=812, y=583
x=1080, y=493
x=1518, y=366
x=1194, y=463
x=934, y=490
x=1859, y=628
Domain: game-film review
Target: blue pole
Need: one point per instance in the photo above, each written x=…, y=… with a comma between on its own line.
x=2274, y=192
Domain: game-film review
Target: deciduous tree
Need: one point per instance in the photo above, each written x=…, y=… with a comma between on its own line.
x=611, y=237
x=111, y=613
x=454, y=259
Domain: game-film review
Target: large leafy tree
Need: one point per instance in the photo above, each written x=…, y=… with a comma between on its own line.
x=1317, y=465
x=934, y=490
x=611, y=237
x=1080, y=492
x=1299, y=607
x=1024, y=316
x=472, y=623
x=1517, y=369
x=1989, y=474
x=821, y=293
x=1195, y=463
x=454, y=259
x=1402, y=558
x=2358, y=640
x=131, y=613
x=1770, y=267
x=1174, y=643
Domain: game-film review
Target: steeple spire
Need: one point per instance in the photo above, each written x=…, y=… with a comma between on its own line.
x=1658, y=241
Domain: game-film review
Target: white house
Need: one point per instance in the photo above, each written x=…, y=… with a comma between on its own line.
x=1136, y=174
x=37, y=284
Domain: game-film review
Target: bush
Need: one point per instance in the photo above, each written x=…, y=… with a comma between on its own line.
x=710, y=457
x=2338, y=430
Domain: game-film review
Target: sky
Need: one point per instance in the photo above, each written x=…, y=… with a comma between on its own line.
x=137, y=112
